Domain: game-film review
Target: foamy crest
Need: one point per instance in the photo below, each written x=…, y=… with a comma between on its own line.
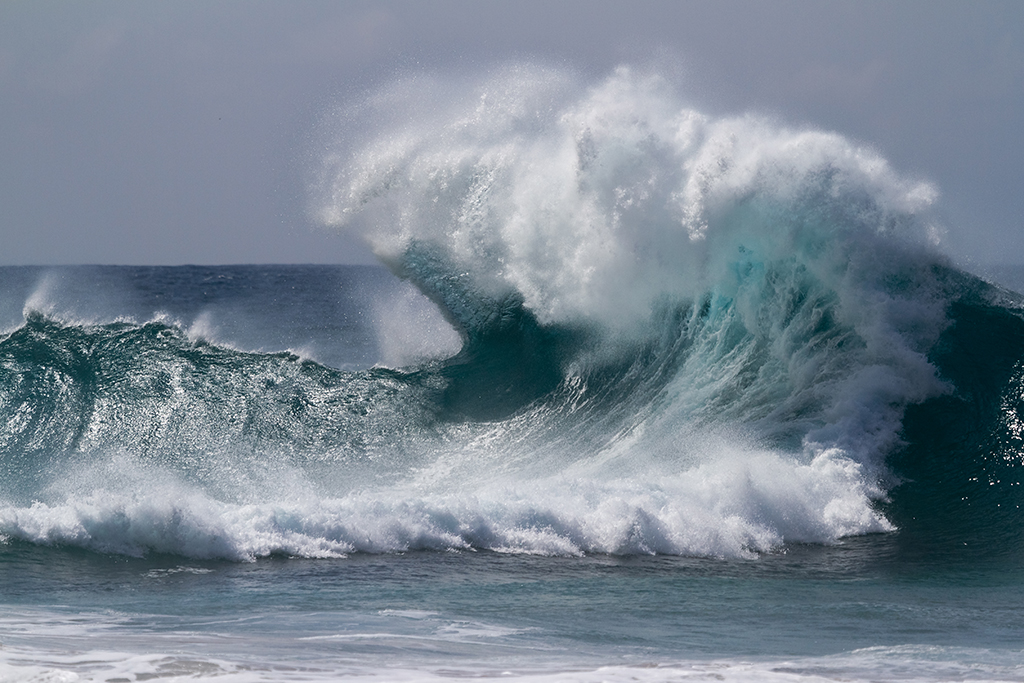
x=599, y=206
x=593, y=202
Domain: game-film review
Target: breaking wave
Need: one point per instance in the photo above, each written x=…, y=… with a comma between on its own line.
x=680, y=334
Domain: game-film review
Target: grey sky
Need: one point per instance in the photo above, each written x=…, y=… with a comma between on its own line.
x=181, y=132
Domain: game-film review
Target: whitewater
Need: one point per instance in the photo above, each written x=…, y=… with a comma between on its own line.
x=640, y=393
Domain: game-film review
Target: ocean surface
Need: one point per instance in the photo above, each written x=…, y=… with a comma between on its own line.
x=637, y=394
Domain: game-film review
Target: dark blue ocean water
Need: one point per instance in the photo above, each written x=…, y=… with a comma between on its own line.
x=255, y=473
x=324, y=312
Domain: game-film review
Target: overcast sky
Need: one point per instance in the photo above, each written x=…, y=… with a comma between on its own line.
x=180, y=132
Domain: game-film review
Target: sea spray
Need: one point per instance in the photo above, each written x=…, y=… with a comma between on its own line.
x=804, y=261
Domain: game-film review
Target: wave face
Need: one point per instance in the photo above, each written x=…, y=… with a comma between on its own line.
x=680, y=334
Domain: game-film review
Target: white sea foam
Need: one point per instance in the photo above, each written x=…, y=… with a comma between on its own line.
x=728, y=506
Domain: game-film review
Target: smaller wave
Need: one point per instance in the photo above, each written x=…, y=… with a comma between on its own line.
x=410, y=332
x=39, y=654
